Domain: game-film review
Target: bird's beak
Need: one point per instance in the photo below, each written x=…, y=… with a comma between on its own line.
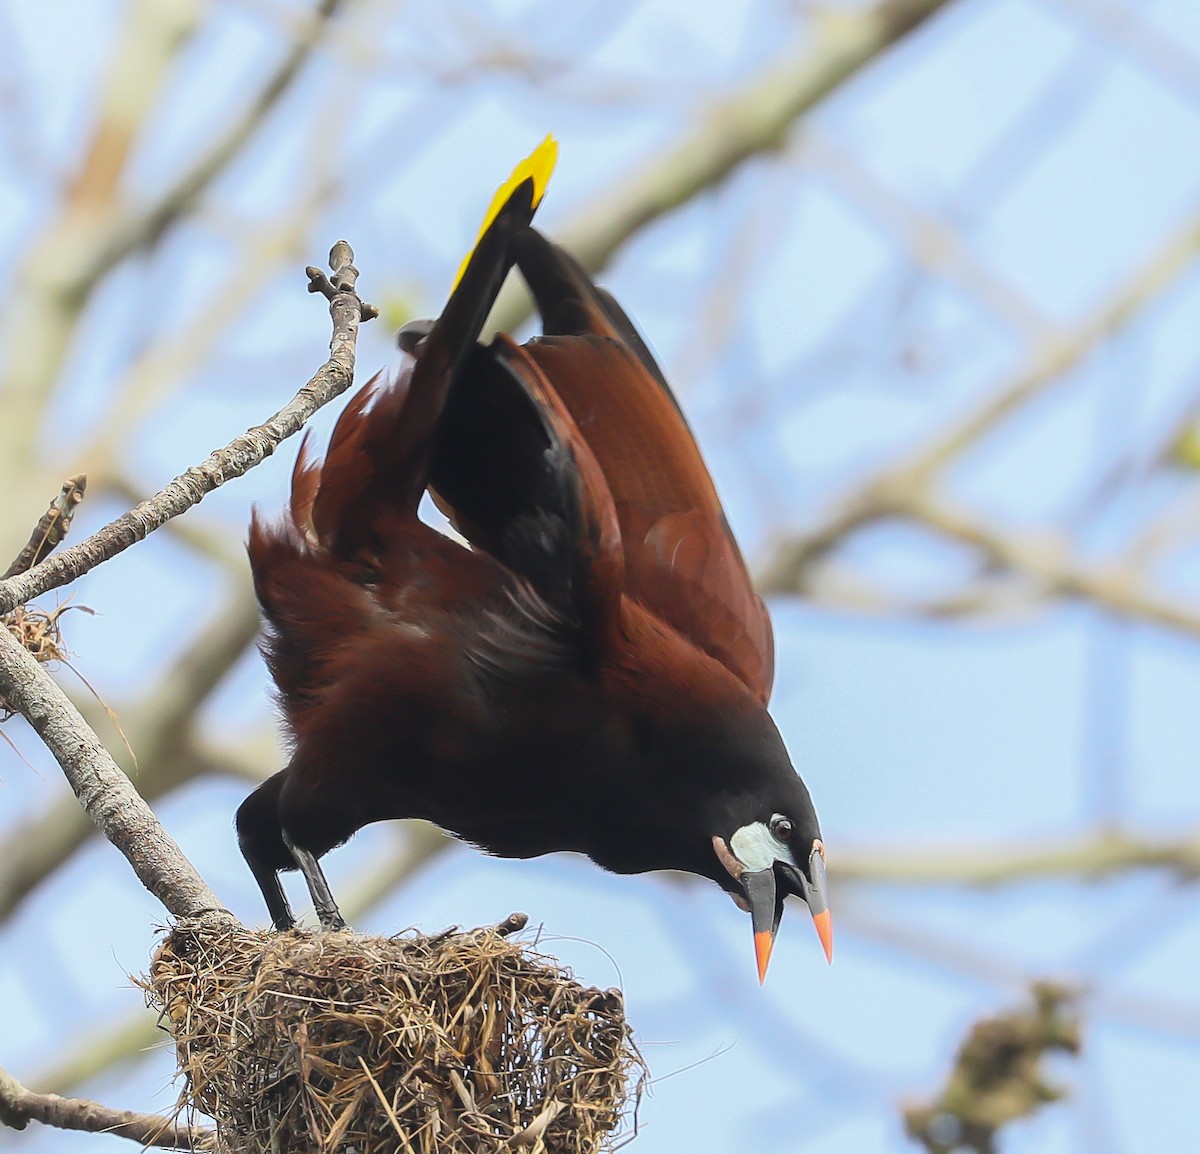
x=816, y=894
x=763, y=897
x=765, y=912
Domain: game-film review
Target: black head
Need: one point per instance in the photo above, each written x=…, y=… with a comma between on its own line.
x=732, y=807
x=767, y=845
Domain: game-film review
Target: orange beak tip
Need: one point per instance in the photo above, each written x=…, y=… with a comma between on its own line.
x=824, y=924
x=764, y=941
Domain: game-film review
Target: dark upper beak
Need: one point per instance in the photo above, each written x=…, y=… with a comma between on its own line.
x=766, y=908
x=816, y=894
x=764, y=893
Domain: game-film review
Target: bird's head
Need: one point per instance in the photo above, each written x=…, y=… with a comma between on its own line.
x=770, y=848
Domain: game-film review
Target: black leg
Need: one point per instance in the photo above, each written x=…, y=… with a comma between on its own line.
x=276, y=899
x=327, y=911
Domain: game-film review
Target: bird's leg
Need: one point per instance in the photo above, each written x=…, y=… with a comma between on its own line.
x=277, y=903
x=328, y=913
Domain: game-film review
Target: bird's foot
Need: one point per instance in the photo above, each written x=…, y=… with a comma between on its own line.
x=332, y=920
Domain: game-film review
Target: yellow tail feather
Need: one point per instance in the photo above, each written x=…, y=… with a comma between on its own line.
x=537, y=166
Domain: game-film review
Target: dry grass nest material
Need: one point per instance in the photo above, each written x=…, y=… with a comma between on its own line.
x=462, y=1042
x=40, y=633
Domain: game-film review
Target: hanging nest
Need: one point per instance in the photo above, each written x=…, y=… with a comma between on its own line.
x=303, y=1043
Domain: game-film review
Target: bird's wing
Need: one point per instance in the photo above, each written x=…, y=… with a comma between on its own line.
x=521, y=483
x=352, y=544
x=379, y=454
x=680, y=558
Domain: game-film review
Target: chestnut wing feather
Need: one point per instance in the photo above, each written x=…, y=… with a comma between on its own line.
x=680, y=558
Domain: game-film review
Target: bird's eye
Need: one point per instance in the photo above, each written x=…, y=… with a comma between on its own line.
x=781, y=828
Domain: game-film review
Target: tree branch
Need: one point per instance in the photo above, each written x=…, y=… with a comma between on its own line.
x=241, y=454
x=51, y=528
x=106, y=794
x=19, y=1107
x=1088, y=857
x=161, y=736
x=904, y=483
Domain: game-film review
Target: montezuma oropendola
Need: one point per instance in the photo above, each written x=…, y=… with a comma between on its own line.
x=589, y=673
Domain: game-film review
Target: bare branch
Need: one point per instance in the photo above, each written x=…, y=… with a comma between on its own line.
x=51, y=528
x=105, y=793
x=903, y=483
x=1087, y=856
x=161, y=735
x=19, y=1107
x=242, y=453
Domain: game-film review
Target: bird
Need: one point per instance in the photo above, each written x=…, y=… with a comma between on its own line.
x=585, y=666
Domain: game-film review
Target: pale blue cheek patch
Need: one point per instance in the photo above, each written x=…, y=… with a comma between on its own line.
x=757, y=848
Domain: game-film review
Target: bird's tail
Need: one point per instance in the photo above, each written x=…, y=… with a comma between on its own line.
x=380, y=451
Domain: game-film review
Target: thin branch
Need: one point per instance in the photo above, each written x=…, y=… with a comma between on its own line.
x=19, y=1107
x=751, y=122
x=146, y=226
x=160, y=733
x=106, y=794
x=207, y=539
x=241, y=454
x=51, y=528
x=1087, y=857
x=904, y=482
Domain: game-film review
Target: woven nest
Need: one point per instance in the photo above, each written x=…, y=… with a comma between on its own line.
x=463, y=1042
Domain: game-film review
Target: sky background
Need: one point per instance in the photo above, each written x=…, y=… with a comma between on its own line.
x=813, y=330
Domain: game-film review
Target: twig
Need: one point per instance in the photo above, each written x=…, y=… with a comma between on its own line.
x=241, y=454
x=345, y=276
x=147, y=226
x=51, y=528
x=905, y=483
x=1088, y=857
x=19, y=1107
